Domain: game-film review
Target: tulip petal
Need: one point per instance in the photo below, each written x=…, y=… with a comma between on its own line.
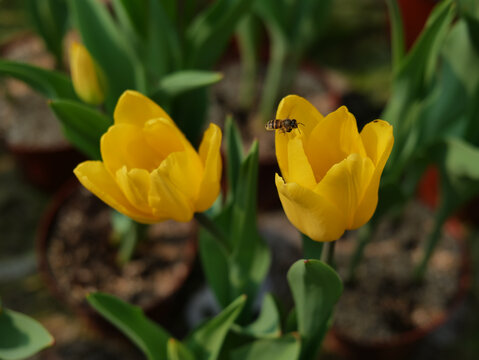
x=135, y=185
x=166, y=200
x=299, y=169
x=345, y=185
x=164, y=137
x=135, y=108
x=211, y=158
x=125, y=145
x=184, y=170
x=332, y=140
x=378, y=140
x=94, y=176
x=300, y=109
x=312, y=213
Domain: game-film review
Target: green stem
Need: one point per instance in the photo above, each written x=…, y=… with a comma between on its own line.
x=311, y=249
x=129, y=235
x=328, y=255
x=431, y=243
x=364, y=238
x=210, y=226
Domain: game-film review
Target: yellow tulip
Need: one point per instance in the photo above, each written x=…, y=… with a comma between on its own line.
x=150, y=172
x=330, y=171
x=86, y=75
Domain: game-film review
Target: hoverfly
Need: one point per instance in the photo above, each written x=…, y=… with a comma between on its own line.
x=286, y=125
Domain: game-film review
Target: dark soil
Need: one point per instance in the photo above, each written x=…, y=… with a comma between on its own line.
x=384, y=302
x=82, y=259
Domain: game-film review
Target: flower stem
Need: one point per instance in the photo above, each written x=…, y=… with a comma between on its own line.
x=311, y=249
x=328, y=255
x=210, y=226
x=432, y=241
x=364, y=237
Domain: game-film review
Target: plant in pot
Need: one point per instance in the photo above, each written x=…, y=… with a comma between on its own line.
x=127, y=48
x=234, y=257
x=431, y=110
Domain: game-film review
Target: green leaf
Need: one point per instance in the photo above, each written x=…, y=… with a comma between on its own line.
x=21, y=336
x=163, y=51
x=208, y=35
x=132, y=15
x=215, y=265
x=251, y=256
x=151, y=338
x=397, y=33
x=316, y=288
x=469, y=10
x=206, y=341
x=267, y=325
x=83, y=125
x=462, y=159
x=103, y=39
x=284, y=348
x=234, y=151
x=49, y=18
x=51, y=84
x=183, y=81
x=415, y=71
x=178, y=351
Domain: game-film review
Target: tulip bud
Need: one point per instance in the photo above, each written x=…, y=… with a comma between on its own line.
x=86, y=75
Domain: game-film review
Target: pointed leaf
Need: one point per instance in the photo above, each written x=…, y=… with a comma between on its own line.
x=183, y=81
x=234, y=150
x=178, y=351
x=21, y=336
x=83, y=125
x=284, y=348
x=267, y=325
x=206, y=341
x=151, y=338
x=51, y=84
x=316, y=288
x=214, y=261
x=50, y=17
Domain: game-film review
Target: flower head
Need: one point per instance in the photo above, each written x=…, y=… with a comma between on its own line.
x=330, y=171
x=150, y=172
x=86, y=75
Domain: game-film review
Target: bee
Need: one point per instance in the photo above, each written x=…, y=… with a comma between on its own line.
x=286, y=125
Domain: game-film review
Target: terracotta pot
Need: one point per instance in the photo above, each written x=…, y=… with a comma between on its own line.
x=403, y=345
x=162, y=309
x=46, y=168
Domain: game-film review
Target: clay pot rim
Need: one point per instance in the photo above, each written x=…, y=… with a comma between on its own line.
x=409, y=338
x=24, y=149
x=46, y=224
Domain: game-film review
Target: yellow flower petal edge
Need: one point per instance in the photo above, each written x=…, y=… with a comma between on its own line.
x=331, y=172
x=150, y=172
x=311, y=213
